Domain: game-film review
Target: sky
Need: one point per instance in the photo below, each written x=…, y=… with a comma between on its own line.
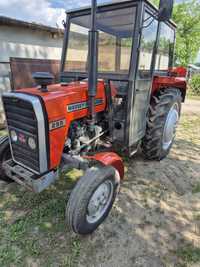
x=48, y=12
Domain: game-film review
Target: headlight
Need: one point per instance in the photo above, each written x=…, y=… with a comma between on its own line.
x=32, y=143
x=13, y=136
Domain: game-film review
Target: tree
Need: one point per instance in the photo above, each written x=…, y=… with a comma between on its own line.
x=187, y=17
x=155, y=2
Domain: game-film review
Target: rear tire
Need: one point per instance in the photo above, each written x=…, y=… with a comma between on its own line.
x=5, y=155
x=163, y=117
x=92, y=199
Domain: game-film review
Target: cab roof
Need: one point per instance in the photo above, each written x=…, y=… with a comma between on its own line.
x=122, y=4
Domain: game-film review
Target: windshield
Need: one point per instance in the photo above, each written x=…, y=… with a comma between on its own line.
x=115, y=28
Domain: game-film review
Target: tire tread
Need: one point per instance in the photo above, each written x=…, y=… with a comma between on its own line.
x=158, y=110
x=80, y=194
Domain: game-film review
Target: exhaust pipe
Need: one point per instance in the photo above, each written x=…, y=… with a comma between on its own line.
x=93, y=62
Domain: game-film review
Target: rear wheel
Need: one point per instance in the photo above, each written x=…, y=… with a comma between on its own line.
x=92, y=199
x=163, y=118
x=5, y=155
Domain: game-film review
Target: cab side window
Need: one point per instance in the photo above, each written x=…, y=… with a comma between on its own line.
x=148, y=39
x=164, y=55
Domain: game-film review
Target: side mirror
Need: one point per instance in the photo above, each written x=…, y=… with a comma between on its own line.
x=43, y=79
x=165, y=10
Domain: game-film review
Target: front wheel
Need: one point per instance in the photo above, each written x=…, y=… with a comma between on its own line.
x=5, y=155
x=92, y=199
x=163, y=118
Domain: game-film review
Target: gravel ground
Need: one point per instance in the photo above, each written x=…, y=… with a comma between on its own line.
x=154, y=223
x=191, y=107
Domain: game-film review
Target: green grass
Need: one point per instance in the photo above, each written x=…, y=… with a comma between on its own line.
x=196, y=189
x=189, y=130
x=3, y=132
x=7, y=256
x=193, y=97
x=32, y=226
x=189, y=254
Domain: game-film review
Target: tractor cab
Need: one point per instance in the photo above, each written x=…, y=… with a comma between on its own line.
x=133, y=46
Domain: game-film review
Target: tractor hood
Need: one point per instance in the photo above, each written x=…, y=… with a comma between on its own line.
x=61, y=105
x=60, y=98
x=75, y=89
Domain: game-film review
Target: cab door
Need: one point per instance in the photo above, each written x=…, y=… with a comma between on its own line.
x=143, y=78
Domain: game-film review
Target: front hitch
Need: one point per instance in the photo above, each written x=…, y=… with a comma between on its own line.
x=27, y=178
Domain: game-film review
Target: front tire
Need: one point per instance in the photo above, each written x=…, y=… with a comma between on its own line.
x=92, y=199
x=5, y=155
x=163, y=118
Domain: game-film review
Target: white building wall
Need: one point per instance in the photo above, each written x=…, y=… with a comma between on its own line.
x=25, y=43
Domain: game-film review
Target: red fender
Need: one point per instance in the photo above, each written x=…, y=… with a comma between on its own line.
x=176, y=78
x=110, y=159
x=178, y=71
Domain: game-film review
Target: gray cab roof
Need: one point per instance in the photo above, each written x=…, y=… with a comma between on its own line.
x=115, y=4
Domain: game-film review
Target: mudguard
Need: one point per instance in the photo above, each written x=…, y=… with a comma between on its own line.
x=110, y=159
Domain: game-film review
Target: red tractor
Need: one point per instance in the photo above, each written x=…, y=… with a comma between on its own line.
x=118, y=90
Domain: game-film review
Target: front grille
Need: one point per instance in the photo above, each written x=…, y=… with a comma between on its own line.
x=21, y=118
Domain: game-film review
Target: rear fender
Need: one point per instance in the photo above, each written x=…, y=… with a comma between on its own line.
x=164, y=82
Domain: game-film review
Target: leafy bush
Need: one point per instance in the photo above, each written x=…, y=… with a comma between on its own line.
x=195, y=84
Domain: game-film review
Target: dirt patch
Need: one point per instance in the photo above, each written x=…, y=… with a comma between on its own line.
x=155, y=221
x=191, y=107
